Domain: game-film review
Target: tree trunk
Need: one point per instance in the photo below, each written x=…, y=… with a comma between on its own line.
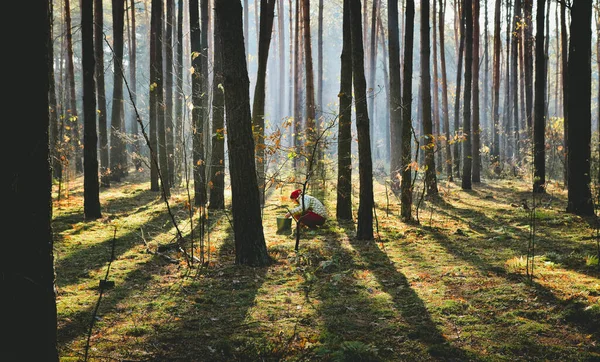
x=476, y=129
x=364, y=230
x=91, y=184
x=179, y=98
x=467, y=156
x=204, y=98
x=74, y=117
x=437, y=131
x=267, y=13
x=344, y=177
x=250, y=246
x=539, y=147
x=170, y=147
x=528, y=57
x=506, y=139
x=29, y=322
x=55, y=149
x=118, y=155
x=153, y=100
x=395, y=97
x=217, y=164
x=282, y=87
x=514, y=132
x=495, y=154
x=430, y=176
x=386, y=85
x=445, y=114
x=406, y=184
x=459, y=68
x=579, y=108
x=199, y=167
x=564, y=45
x=372, y=73
x=486, y=128
x=101, y=92
x=310, y=89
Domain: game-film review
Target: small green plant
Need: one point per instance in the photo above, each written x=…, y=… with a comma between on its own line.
x=591, y=260
x=355, y=351
x=515, y=264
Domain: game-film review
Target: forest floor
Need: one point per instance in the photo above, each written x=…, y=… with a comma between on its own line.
x=453, y=288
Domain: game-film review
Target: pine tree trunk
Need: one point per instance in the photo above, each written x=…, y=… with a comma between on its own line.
x=579, y=108
x=539, y=147
x=467, y=156
x=101, y=93
x=364, y=230
x=459, y=69
x=564, y=45
x=169, y=174
x=267, y=12
x=395, y=97
x=250, y=246
x=476, y=129
x=344, y=176
x=179, y=98
x=495, y=156
x=73, y=119
x=118, y=155
x=91, y=184
x=429, y=142
x=406, y=183
x=445, y=114
x=199, y=166
x=217, y=164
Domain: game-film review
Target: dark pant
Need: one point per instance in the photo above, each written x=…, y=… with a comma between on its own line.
x=311, y=219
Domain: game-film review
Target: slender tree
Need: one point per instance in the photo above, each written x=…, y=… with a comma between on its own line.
x=74, y=123
x=217, y=164
x=459, y=69
x=28, y=306
x=495, y=154
x=514, y=127
x=311, y=130
x=539, y=126
x=250, y=246
x=91, y=184
x=579, y=108
x=153, y=99
x=169, y=70
x=364, y=230
x=118, y=155
x=395, y=97
x=137, y=140
x=179, y=97
x=437, y=131
x=372, y=70
x=429, y=143
x=406, y=184
x=55, y=148
x=445, y=114
x=476, y=129
x=199, y=167
x=528, y=58
x=564, y=46
x=101, y=93
x=344, y=176
x=267, y=14
x=467, y=155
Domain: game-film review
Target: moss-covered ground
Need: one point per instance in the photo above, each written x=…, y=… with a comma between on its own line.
x=454, y=287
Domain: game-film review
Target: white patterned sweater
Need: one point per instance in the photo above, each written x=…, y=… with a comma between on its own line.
x=310, y=203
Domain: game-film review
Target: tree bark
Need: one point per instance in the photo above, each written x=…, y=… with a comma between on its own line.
x=395, y=97
x=250, y=246
x=495, y=154
x=539, y=140
x=118, y=155
x=101, y=93
x=267, y=13
x=476, y=129
x=564, y=45
x=217, y=164
x=364, y=230
x=406, y=184
x=170, y=147
x=429, y=143
x=579, y=108
x=74, y=117
x=466, y=183
x=459, y=69
x=28, y=303
x=199, y=166
x=445, y=114
x=344, y=176
x=91, y=184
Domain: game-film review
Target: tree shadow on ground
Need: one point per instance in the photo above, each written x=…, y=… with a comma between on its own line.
x=408, y=303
